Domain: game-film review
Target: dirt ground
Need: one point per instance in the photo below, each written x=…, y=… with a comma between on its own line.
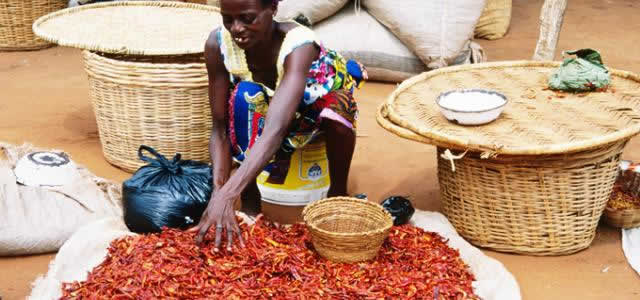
x=44, y=100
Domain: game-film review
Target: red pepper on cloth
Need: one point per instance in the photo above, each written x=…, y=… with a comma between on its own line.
x=278, y=262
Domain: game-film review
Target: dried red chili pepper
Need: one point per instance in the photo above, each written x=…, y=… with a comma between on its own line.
x=277, y=263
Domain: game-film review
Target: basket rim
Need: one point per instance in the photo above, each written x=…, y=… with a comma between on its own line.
x=412, y=132
x=60, y=39
x=388, y=218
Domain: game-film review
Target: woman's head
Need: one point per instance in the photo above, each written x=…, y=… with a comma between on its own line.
x=249, y=21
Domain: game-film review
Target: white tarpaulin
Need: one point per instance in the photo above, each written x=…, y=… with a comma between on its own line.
x=87, y=248
x=631, y=247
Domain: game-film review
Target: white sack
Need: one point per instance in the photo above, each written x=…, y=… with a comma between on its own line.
x=361, y=37
x=314, y=10
x=435, y=30
x=40, y=219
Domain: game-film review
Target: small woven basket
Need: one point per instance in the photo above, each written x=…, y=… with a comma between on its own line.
x=157, y=101
x=16, y=19
x=627, y=218
x=345, y=229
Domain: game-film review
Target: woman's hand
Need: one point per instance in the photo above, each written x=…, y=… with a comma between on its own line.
x=221, y=214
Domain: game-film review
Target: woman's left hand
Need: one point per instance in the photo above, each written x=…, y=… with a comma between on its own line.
x=221, y=214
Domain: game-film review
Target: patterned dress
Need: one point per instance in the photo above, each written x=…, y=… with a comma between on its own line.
x=328, y=93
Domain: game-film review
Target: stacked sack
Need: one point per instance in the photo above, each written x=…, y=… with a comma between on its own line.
x=394, y=39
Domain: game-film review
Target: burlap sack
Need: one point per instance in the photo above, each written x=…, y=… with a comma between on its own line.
x=495, y=20
x=436, y=30
x=314, y=10
x=88, y=247
x=40, y=219
x=360, y=37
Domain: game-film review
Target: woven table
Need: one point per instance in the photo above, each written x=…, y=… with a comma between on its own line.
x=148, y=81
x=536, y=180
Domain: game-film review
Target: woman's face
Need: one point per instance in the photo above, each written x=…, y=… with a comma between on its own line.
x=248, y=21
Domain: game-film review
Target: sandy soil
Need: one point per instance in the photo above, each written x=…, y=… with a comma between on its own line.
x=44, y=100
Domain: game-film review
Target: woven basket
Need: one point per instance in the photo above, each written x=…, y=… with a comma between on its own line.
x=627, y=218
x=149, y=85
x=495, y=20
x=548, y=162
x=547, y=205
x=347, y=229
x=16, y=19
x=157, y=101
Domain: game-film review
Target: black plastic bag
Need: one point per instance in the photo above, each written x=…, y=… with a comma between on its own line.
x=400, y=209
x=166, y=193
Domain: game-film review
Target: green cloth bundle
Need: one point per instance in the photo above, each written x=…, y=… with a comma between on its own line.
x=584, y=73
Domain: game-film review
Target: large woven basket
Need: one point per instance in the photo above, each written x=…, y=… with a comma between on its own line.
x=532, y=205
x=536, y=180
x=149, y=86
x=347, y=229
x=142, y=100
x=16, y=19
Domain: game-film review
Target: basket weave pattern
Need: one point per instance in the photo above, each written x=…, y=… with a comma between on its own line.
x=541, y=206
x=627, y=218
x=495, y=20
x=347, y=229
x=16, y=20
x=153, y=27
x=146, y=100
x=535, y=121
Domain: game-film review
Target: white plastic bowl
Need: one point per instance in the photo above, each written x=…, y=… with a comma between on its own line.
x=471, y=106
x=45, y=169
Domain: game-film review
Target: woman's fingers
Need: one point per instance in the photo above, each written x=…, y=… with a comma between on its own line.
x=237, y=230
x=218, y=237
x=202, y=231
x=229, y=237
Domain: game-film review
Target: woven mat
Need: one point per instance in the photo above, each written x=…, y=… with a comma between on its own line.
x=535, y=121
x=135, y=28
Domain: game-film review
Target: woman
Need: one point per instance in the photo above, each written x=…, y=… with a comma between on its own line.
x=272, y=89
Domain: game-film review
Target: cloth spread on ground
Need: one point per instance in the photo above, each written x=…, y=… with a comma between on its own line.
x=88, y=247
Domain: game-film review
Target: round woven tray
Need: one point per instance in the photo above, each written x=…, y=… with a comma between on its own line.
x=345, y=229
x=535, y=121
x=16, y=19
x=160, y=102
x=535, y=181
x=135, y=27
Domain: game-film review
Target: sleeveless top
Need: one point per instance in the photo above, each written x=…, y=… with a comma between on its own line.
x=327, y=73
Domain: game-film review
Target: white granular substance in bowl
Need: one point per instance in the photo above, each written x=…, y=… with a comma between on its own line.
x=471, y=101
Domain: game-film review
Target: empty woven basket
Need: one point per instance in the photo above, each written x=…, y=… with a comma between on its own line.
x=347, y=229
x=16, y=20
x=149, y=86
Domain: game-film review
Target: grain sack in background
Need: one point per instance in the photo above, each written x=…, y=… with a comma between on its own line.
x=314, y=10
x=40, y=219
x=362, y=38
x=495, y=20
x=435, y=30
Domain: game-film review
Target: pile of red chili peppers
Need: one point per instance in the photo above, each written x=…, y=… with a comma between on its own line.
x=277, y=263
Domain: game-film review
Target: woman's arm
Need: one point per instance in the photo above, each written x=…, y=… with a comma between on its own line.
x=219, y=145
x=280, y=114
x=282, y=110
